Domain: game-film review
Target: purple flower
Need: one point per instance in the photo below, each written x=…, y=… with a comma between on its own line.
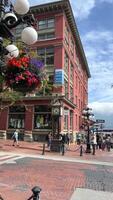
x=36, y=63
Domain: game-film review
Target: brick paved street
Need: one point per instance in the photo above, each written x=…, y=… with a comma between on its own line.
x=36, y=149
x=58, y=180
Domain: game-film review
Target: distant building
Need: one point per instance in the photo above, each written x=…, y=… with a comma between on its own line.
x=60, y=48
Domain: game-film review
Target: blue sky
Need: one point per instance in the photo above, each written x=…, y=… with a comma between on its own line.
x=94, y=21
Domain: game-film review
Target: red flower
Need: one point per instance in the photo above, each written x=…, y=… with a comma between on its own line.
x=27, y=73
x=19, y=78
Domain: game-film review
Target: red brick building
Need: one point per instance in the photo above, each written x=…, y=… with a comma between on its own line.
x=60, y=48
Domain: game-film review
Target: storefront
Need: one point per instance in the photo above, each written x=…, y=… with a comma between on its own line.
x=35, y=119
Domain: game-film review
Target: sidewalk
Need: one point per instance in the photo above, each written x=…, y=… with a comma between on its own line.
x=35, y=148
x=59, y=177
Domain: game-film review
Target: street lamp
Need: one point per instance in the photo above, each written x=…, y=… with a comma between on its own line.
x=87, y=114
x=57, y=112
x=11, y=15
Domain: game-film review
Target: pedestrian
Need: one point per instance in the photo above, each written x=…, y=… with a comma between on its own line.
x=93, y=142
x=62, y=143
x=103, y=143
x=15, y=138
x=100, y=142
x=67, y=139
x=49, y=139
x=108, y=143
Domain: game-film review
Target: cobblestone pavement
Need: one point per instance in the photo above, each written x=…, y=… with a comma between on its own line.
x=58, y=180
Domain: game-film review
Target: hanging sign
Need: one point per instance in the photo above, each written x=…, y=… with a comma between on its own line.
x=59, y=76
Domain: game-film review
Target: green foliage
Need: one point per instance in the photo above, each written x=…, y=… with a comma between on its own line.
x=10, y=96
x=46, y=88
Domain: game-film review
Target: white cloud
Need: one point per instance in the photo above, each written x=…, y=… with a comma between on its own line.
x=96, y=36
x=98, y=47
x=105, y=108
x=103, y=111
x=82, y=10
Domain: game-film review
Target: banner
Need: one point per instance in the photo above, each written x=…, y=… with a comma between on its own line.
x=59, y=76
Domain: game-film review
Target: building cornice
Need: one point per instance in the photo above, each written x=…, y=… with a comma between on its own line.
x=64, y=5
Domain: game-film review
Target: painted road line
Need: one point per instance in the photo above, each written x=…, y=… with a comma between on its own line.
x=88, y=194
x=9, y=159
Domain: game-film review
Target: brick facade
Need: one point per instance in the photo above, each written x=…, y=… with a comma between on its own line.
x=57, y=19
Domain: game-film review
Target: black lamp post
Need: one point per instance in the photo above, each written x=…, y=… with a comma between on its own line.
x=56, y=114
x=56, y=120
x=86, y=114
x=11, y=15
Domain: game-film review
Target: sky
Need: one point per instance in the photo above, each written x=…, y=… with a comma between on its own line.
x=95, y=26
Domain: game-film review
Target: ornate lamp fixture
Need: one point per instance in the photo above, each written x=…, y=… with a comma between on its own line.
x=86, y=115
x=11, y=15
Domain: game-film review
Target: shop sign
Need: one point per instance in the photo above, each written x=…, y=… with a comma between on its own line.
x=59, y=76
x=100, y=121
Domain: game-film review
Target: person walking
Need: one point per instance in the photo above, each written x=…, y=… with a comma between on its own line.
x=15, y=138
x=108, y=143
x=49, y=139
x=93, y=142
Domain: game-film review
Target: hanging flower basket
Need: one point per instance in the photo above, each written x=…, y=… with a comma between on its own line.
x=24, y=74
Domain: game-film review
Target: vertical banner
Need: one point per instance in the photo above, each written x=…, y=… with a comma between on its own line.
x=59, y=76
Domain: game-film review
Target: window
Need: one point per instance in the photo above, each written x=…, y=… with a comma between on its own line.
x=71, y=94
x=44, y=36
x=76, y=100
x=16, y=117
x=72, y=46
x=42, y=117
x=19, y=29
x=46, y=23
x=66, y=88
x=66, y=122
x=66, y=61
x=46, y=55
x=71, y=72
x=71, y=119
x=66, y=36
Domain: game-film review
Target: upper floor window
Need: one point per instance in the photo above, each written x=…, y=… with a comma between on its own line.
x=71, y=94
x=46, y=55
x=46, y=23
x=72, y=46
x=71, y=72
x=66, y=62
x=44, y=36
x=18, y=30
x=71, y=119
x=66, y=88
x=66, y=36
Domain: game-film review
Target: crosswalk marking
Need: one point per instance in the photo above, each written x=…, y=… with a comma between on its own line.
x=9, y=158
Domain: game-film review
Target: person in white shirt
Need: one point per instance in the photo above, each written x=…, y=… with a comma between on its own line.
x=15, y=137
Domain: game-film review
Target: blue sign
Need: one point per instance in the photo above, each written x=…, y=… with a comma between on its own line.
x=59, y=76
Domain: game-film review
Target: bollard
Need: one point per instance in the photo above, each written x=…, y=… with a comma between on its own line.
x=36, y=191
x=43, y=150
x=81, y=150
x=1, y=198
x=63, y=149
x=93, y=153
